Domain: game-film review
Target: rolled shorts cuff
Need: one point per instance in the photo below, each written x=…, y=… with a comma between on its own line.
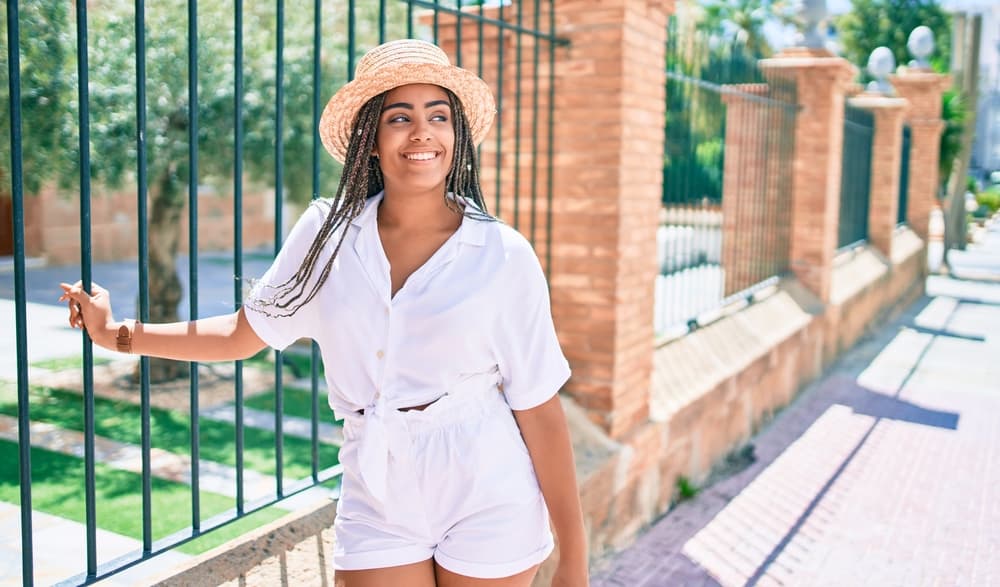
x=378, y=559
x=481, y=570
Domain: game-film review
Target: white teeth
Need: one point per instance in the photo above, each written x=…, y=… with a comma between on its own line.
x=424, y=156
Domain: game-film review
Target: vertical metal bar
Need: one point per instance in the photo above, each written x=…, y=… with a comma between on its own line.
x=761, y=225
x=20, y=299
x=351, y=16
x=550, y=155
x=193, y=252
x=685, y=244
x=238, y=235
x=381, y=21
x=534, y=123
x=789, y=97
x=317, y=110
x=85, y=255
x=409, y=20
x=317, y=104
x=759, y=183
x=279, y=179
x=748, y=172
x=768, y=228
x=458, y=34
x=516, y=220
x=845, y=174
x=499, y=158
x=904, y=175
x=434, y=24
x=765, y=228
x=847, y=204
x=668, y=179
x=739, y=199
x=479, y=31
x=144, y=396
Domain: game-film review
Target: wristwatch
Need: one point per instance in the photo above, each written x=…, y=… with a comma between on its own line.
x=124, y=338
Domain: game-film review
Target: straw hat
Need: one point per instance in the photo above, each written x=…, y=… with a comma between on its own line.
x=398, y=63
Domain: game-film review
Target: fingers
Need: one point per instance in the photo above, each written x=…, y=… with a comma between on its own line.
x=74, y=291
x=76, y=297
x=75, y=314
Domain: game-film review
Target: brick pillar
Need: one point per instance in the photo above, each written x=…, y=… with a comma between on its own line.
x=887, y=145
x=922, y=89
x=821, y=82
x=607, y=173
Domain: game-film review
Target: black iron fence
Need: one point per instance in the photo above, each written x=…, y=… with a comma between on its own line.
x=904, y=175
x=729, y=140
x=855, y=178
x=166, y=100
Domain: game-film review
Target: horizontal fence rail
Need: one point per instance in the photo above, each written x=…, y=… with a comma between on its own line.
x=729, y=137
x=196, y=111
x=855, y=178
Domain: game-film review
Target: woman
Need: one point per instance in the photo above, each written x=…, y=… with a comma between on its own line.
x=434, y=323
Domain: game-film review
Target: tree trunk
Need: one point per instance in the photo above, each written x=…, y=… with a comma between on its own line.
x=6, y=218
x=954, y=205
x=6, y=224
x=165, y=290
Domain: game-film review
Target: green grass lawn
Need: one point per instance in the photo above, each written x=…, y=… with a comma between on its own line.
x=298, y=403
x=298, y=362
x=120, y=421
x=65, y=363
x=57, y=488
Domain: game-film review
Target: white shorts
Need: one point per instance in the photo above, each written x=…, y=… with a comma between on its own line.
x=466, y=494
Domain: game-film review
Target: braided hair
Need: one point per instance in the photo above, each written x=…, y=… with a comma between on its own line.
x=361, y=180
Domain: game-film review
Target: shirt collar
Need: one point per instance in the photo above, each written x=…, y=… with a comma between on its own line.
x=472, y=231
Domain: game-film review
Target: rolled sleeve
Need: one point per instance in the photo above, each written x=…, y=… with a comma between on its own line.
x=274, y=325
x=531, y=362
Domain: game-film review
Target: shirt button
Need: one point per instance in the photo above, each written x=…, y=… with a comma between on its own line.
x=378, y=394
x=380, y=354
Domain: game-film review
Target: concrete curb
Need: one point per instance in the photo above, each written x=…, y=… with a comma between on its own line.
x=232, y=560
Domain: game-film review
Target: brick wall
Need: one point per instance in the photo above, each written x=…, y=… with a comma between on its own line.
x=52, y=224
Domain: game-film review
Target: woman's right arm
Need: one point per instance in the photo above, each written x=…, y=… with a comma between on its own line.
x=219, y=338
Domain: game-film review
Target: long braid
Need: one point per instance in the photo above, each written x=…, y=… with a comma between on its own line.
x=463, y=178
x=360, y=180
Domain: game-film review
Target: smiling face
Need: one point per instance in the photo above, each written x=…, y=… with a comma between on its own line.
x=415, y=141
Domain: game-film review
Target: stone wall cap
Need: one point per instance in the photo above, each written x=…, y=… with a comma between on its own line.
x=911, y=77
x=797, y=61
x=871, y=101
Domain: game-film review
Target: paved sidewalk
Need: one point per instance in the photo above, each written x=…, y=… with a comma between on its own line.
x=58, y=551
x=884, y=472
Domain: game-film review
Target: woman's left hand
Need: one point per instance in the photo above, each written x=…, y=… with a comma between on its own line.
x=91, y=312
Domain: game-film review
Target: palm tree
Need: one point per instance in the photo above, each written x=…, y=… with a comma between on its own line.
x=743, y=21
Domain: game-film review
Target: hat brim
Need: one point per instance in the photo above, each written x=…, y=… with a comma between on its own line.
x=337, y=122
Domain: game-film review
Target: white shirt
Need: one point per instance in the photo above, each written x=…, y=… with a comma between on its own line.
x=480, y=304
